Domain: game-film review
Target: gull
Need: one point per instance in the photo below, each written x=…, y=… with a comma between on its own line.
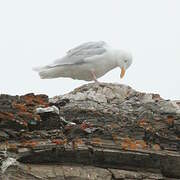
x=88, y=61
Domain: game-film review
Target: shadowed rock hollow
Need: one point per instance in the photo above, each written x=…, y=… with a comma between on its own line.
x=106, y=131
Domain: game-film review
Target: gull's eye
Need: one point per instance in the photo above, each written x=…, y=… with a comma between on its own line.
x=126, y=61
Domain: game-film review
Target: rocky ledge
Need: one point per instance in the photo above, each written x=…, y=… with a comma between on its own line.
x=98, y=131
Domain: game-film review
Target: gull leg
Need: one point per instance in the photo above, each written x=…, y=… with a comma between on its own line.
x=94, y=77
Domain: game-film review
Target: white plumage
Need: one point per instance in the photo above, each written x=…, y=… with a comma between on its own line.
x=88, y=62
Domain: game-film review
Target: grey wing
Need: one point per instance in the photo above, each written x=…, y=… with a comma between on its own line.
x=87, y=46
x=78, y=54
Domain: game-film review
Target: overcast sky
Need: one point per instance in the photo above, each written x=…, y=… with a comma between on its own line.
x=35, y=32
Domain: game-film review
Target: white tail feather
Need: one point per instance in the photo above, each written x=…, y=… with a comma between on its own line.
x=49, y=73
x=38, y=69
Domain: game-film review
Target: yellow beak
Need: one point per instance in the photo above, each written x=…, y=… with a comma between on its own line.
x=122, y=72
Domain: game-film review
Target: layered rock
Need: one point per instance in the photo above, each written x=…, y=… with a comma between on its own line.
x=97, y=131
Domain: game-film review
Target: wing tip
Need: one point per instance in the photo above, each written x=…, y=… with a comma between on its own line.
x=37, y=69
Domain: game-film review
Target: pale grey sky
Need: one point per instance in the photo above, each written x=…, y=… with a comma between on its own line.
x=35, y=32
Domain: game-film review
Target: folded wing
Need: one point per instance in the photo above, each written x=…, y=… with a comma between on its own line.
x=80, y=53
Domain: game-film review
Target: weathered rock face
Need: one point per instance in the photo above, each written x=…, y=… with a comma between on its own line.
x=125, y=133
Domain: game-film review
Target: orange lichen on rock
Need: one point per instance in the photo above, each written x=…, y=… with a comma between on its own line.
x=141, y=144
x=29, y=144
x=41, y=101
x=79, y=141
x=114, y=126
x=59, y=141
x=96, y=141
x=142, y=123
x=156, y=147
x=12, y=147
x=76, y=142
x=31, y=99
x=20, y=107
x=132, y=144
x=37, y=117
x=126, y=143
x=170, y=120
x=28, y=98
x=115, y=138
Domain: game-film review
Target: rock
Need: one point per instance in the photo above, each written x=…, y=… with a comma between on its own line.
x=58, y=172
x=47, y=109
x=124, y=174
x=113, y=130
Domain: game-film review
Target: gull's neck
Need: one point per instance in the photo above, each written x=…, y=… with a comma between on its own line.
x=116, y=55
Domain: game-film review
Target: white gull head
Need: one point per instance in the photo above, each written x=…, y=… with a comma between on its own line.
x=123, y=59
